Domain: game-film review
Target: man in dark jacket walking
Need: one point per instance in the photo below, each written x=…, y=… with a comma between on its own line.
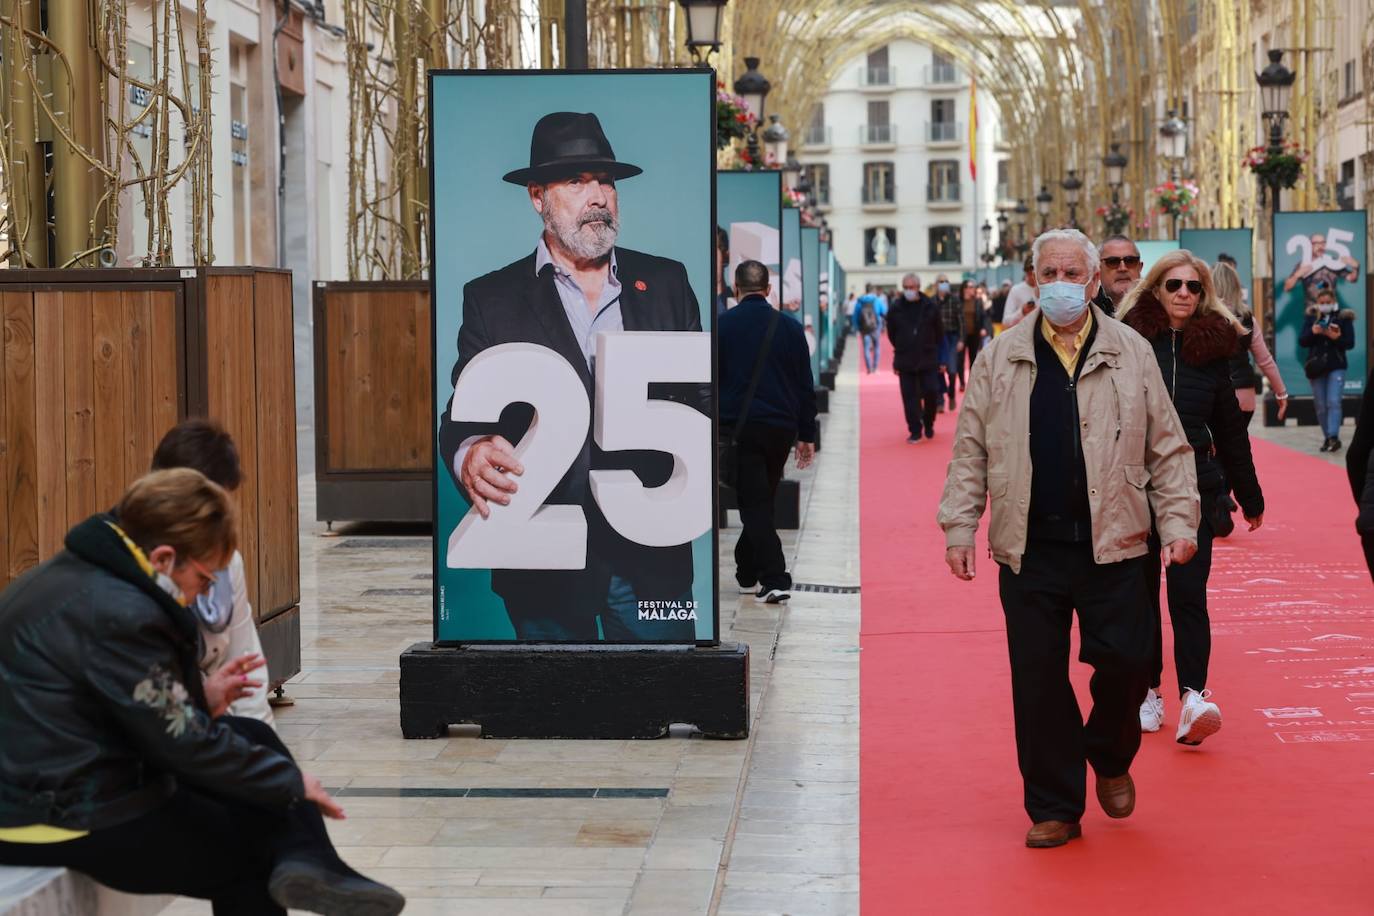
x=916, y=331
x=781, y=411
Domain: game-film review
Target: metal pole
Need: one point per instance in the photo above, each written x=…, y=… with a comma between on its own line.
x=574, y=34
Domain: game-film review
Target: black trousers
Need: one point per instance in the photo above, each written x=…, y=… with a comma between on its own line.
x=763, y=452
x=921, y=393
x=1186, y=586
x=196, y=844
x=1053, y=744
x=973, y=343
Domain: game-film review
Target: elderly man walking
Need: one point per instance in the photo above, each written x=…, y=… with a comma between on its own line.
x=1068, y=428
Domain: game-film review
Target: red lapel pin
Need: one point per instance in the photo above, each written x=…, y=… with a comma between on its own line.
x=641, y=285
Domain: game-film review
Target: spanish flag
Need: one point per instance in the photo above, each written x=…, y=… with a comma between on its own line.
x=973, y=129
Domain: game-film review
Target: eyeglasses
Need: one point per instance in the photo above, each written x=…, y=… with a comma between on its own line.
x=1173, y=283
x=1129, y=260
x=208, y=579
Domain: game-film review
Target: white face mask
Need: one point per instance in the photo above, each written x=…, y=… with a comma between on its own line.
x=909, y=295
x=168, y=585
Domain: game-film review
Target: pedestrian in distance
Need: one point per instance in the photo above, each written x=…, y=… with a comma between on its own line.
x=767, y=404
x=1328, y=334
x=869, y=313
x=1068, y=436
x=952, y=345
x=1193, y=337
x=1020, y=298
x=914, y=328
x=977, y=324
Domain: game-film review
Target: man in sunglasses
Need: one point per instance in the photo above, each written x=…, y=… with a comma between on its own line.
x=1120, y=272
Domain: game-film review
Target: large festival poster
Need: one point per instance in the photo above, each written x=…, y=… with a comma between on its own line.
x=1314, y=252
x=811, y=292
x=1151, y=251
x=573, y=372
x=791, y=263
x=1211, y=244
x=823, y=329
x=749, y=224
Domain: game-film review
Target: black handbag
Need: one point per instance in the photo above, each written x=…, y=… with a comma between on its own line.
x=727, y=447
x=1320, y=363
x=1220, y=516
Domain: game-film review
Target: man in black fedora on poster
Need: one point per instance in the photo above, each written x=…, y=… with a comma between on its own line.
x=576, y=284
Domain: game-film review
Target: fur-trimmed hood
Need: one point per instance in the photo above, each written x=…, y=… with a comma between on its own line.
x=1343, y=314
x=1206, y=338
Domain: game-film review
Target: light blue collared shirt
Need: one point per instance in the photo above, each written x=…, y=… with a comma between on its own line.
x=585, y=322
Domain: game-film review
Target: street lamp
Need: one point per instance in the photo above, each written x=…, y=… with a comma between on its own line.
x=791, y=173
x=1021, y=211
x=1173, y=142
x=703, y=26
x=1275, y=82
x=1072, y=185
x=1002, y=240
x=1115, y=164
x=986, y=229
x=775, y=138
x=753, y=88
x=1042, y=204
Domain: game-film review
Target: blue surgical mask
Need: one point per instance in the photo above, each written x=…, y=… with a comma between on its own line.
x=942, y=287
x=1063, y=302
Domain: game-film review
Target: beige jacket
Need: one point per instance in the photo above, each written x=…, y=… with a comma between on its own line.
x=1134, y=449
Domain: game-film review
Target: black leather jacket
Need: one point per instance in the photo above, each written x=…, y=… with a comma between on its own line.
x=102, y=710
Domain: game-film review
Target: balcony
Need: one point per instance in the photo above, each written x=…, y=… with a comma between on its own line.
x=877, y=77
x=944, y=133
x=941, y=75
x=876, y=199
x=816, y=138
x=944, y=196
x=876, y=135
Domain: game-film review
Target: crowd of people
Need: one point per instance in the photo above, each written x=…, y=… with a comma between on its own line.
x=1105, y=428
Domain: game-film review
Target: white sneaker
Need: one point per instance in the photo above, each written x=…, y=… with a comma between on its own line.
x=1152, y=712
x=1199, y=717
x=751, y=589
x=774, y=595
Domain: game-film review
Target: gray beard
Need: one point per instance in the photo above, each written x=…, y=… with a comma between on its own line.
x=587, y=239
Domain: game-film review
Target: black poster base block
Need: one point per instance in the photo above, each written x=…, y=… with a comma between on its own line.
x=822, y=398
x=583, y=691
x=1302, y=411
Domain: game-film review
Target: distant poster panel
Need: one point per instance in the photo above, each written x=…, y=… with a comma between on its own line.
x=1212, y=244
x=811, y=294
x=573, y=372
x=791, y=263
x=1152, y=251
x=749, y=224
x=1315, y=252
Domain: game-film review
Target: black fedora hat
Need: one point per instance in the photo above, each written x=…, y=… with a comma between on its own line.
x=565, y=143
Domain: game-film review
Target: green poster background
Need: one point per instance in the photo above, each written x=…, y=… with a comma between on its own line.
x=1209, y=243
x=1341, y=228
x=791, y=263
x=480, y=129
x=1151, y=251
x=748, y=207
x=823, y=329
x=811, y=290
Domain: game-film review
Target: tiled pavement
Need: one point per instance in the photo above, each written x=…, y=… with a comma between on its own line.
x=763, y=826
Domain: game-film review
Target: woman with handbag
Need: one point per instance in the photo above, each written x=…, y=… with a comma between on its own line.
x=1328, y=333
x=1193, y=335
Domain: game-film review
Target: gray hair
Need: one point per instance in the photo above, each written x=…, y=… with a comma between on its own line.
x=1118, y=238
x=913, y=278
x=1067, y=235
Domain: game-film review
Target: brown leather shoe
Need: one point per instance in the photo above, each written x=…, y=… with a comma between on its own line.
x=1052, y=833
x=1116, y=794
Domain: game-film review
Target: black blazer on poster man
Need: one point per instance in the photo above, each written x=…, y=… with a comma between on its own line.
x=512, y=305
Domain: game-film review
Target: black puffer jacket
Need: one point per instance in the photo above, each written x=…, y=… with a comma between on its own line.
x=1195, y=363
x=102, y=710
x=1318, y=343
x=915, y=330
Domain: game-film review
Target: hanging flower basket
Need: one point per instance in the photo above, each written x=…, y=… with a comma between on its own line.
x=793, y=200
x=1116, y=217
x=1284, y=167
x=733, y=118
x=1176, y=198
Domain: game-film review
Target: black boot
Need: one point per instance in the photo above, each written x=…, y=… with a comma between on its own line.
x=305, y=884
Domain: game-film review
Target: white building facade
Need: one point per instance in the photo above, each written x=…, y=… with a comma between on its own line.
x=888, y=154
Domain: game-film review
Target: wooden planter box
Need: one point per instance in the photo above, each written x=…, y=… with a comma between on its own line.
x=373, y=435
x=98, y=364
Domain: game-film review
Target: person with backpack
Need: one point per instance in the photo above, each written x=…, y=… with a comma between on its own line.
x=869, y=316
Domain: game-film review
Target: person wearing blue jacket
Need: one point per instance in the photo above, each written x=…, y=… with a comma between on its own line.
x=781, y=412
x=870, y=315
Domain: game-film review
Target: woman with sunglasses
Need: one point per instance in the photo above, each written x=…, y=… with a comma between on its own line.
x=1194, y=336
x=231, y=657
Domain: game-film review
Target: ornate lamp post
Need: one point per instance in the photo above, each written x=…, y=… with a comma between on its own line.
x=986, y=230
x=1021, y=211
x=791, y=173
x=1115, y=163
x=1072, y=186
x=1003, y=242
x=775, y=138
x=1042, y=204
x=1173, y=137
x=753, y=87
x=703, y=26
x=1275, y=82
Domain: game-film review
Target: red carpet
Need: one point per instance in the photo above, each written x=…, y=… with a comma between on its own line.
x=1271, y=815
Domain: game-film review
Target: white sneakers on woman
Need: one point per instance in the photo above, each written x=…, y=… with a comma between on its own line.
x=1152, y=712
x=1199, y=717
